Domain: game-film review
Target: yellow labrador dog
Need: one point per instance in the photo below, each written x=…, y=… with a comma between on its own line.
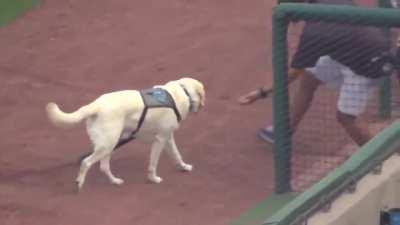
x=150, y=115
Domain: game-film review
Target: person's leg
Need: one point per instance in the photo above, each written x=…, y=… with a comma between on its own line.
x=356, y=129
x=327, y=72
x=301, y=102
x=303, y=97
x=352, y=102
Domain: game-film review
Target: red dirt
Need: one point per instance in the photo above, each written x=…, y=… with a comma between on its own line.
x=70, y=51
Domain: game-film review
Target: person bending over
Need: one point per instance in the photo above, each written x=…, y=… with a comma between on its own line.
x=349, y=58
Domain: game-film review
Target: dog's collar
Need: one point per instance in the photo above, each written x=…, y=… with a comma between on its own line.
x=191, y=102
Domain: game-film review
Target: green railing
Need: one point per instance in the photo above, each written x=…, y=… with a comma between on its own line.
x=369, y=157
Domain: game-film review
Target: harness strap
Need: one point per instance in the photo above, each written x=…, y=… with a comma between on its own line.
x=189, y=97
x=142, y=117
x=132, y=136
x=176, y=111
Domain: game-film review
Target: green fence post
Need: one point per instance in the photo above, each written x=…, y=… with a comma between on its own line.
x=282, y=147
x=385, y=87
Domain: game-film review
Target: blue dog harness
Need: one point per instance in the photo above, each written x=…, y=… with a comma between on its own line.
x=156, y=98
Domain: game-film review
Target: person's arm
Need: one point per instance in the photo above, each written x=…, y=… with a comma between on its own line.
x=303, y=58
x=266, y=91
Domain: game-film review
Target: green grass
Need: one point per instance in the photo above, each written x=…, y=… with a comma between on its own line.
x=263, y=210
x=11, y=9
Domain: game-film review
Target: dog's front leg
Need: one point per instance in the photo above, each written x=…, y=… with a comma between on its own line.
x=173, y=152
x=156, y=149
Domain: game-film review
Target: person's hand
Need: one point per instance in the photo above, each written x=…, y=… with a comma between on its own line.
x=249, y=97
x=253, y=96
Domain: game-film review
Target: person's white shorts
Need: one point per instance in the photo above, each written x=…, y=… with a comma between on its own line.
x=354, y=89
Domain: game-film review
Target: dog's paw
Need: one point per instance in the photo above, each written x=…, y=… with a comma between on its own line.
x=155, y=179
x=186, y=167
x=117, y=181
x=79, y=184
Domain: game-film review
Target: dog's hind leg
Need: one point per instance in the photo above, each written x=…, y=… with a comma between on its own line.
x=104, y=137
x=173, y=152
x=97, y=155
x=105, y=167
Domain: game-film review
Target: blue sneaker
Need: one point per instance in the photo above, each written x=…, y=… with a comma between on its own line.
x=267, y=134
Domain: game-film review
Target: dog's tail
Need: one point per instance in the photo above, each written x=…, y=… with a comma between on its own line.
x=65, y=120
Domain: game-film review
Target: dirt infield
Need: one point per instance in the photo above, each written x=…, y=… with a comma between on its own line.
x=72, y=51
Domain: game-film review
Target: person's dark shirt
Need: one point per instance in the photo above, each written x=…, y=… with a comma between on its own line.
x=352, y=45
